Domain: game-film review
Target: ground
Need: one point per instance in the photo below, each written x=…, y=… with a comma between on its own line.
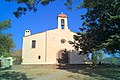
x=48, y=73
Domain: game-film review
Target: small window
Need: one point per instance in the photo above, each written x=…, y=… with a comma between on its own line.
x=33, y=43
x=39, y=57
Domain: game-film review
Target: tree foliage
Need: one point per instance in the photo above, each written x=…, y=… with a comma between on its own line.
x=101, y=26
x=6, y=42
x=4, y=25
x=102, y=21
x=31, y=5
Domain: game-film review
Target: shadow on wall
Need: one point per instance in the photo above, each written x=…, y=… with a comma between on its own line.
x=99, y=72
x=12, y=75
x=71, y=57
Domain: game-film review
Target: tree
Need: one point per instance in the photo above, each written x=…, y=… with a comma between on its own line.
x=86, y=42
x=113, y=60
x=116, y=55
x=6, y=42
x=103, y=21
x=32, y=4
x=100, y=55
x=101, y=27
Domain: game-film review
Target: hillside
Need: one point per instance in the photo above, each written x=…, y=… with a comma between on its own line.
x=16, y=53
x=113, y=60
x=18, y=56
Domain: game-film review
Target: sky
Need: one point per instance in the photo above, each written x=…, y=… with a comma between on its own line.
x=44, y=19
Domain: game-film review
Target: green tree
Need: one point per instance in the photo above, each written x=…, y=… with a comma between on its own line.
x=102, y=20
x=100, y=55
x=101, y=23
x=86, y=42
x=6, y=42
x=101, y=27
x=31, y=5
x=113, y=60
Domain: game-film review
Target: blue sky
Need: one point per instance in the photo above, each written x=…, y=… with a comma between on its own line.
x=44, y=19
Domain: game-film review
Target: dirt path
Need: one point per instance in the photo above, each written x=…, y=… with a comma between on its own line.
x=57, y=75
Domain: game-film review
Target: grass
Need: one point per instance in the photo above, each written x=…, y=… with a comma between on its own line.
x=33, y=72
x=97, y=73
x=81, y=73
x=24, y=73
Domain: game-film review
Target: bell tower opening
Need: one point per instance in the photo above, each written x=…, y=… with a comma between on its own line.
x=62, y=24
x=62, y=21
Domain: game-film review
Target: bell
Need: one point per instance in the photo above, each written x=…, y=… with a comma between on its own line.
x=62, y=24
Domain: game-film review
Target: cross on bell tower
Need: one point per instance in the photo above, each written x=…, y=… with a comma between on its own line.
x=62, y=21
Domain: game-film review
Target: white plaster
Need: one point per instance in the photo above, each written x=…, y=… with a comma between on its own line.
x=65, y=23
x=48, y=44
x=27, y=32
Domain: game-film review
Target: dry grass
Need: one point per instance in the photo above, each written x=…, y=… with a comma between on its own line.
x=33, y=72
x=38, y=73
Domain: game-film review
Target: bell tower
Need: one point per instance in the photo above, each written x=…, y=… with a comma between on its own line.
x=62, y=21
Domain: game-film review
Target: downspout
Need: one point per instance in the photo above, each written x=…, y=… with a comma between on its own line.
x=46, y=47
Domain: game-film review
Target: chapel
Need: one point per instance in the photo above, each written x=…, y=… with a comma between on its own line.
x=51, y=46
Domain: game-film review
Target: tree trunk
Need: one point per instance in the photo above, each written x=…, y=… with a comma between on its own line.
x=93, y=57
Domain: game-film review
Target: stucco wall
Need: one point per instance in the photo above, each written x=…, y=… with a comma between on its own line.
x=54, y=44
x=48, y=44
x=29, y=54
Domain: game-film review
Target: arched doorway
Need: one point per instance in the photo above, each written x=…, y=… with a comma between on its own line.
x=63, y=57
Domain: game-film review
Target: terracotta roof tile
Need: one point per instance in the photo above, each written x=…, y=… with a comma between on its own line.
x=62, y=15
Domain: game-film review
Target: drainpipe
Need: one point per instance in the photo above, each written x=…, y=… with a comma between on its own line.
x=46, y=46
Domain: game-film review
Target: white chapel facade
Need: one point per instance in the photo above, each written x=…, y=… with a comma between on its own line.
x=51, y=47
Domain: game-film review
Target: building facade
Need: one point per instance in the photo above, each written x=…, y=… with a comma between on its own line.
x=51, y=47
